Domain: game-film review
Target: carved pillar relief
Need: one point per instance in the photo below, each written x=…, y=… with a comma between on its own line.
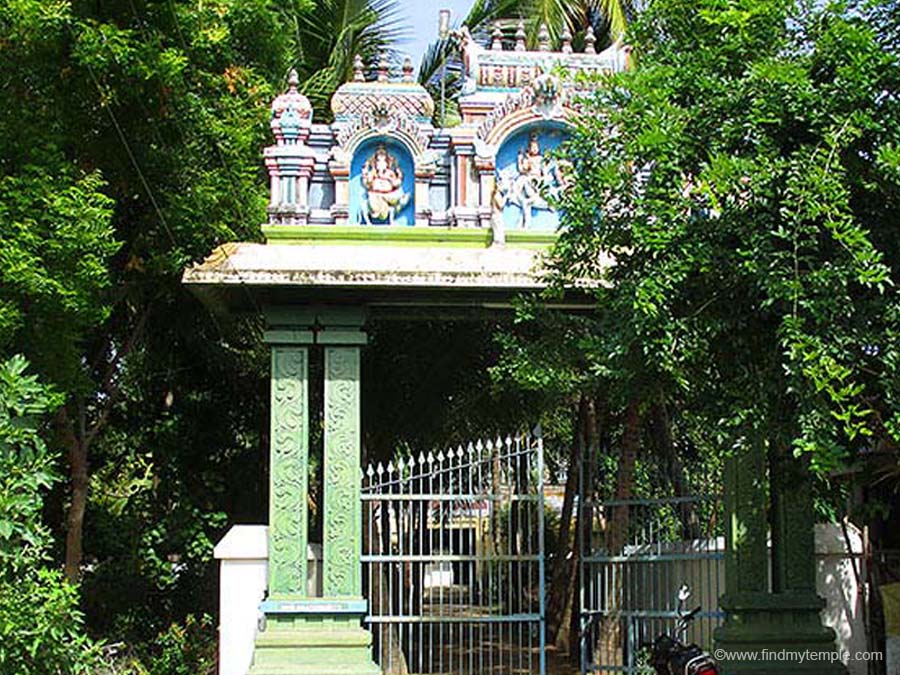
x=343, y=514
x=289, y=467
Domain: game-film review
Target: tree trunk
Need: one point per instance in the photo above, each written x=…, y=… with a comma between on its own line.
x=562, y=574
x=76, y=452
x=662, y=437
x=77, y=442
x=610, y=643
x=563, y=583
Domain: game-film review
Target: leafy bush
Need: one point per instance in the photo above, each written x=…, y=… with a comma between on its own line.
x=26, y=468
x=187, y=649
x=41, y=627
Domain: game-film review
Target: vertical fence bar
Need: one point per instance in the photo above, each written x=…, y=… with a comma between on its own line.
x=542, y=609
x=445, y=600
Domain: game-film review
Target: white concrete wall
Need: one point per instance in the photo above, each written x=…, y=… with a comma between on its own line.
x=836, y=582
x=243, y=555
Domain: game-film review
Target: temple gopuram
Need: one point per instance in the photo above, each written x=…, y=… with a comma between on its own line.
x=424, y=207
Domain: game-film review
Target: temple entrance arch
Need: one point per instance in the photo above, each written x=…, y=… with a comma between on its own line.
x=318, y=280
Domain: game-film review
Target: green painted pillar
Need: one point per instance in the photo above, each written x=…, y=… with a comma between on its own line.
x=288, y=471
x=342, y=531
x=303, y=635
x=793, y=533
x=770, y=619
x=746, y=524
x=794, y=556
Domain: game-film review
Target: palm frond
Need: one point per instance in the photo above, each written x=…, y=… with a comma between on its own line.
x=616, y=13
x=555, y=14
x=433, y=60
x=330, y=35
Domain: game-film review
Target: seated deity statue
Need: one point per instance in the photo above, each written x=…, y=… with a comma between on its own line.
x=383, y=179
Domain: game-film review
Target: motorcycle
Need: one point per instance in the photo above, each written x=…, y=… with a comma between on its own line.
x=669, y=655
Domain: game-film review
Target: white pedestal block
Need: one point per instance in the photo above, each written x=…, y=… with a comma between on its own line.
x=243, y=556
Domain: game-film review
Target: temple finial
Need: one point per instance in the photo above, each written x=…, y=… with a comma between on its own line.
x=544, y=38
x=590, y=41
x=566, y=40
x=497, y=38
x=384, y=66
x=291, y=114
x=358, y=69
x=520, y=37
x=407, y=69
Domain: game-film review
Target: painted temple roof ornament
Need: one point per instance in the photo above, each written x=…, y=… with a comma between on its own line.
x=520, y=37
x=404, y=96
x=381, y=122
x=291, y=114
x=544, y=38
x=590, y=41
x=498, y=68
x=385, y=107
x=407, y=69
x=290, y=159
x=514, y=87
x=566, y=40
x=359, y=74
x=467, y=203
x=496, y=37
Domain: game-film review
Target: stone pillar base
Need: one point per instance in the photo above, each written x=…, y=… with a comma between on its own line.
x=313, y=637
x=776, y=633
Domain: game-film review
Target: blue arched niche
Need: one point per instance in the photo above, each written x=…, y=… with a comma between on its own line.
x=358, y=192
x=512, y=185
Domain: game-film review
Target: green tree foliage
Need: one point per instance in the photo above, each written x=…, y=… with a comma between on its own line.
x=744, y=174
x=130, y=136
x=41, y=627
x=610, y=15
x=27, y=466
x=186, y=649
x=55, y=244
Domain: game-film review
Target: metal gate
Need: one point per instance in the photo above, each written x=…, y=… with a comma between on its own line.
x=453, y=559
x=636, y=555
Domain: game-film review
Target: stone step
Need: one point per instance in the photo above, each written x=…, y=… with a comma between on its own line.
x=314, y=638
x=315, y=669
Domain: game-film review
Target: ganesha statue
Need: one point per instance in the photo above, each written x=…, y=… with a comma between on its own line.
x=382, y=178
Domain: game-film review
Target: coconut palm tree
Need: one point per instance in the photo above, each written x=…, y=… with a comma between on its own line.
x=441, y=60
x=333, y=32
x=609, y=16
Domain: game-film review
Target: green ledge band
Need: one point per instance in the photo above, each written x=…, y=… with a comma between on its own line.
x=386, y=235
